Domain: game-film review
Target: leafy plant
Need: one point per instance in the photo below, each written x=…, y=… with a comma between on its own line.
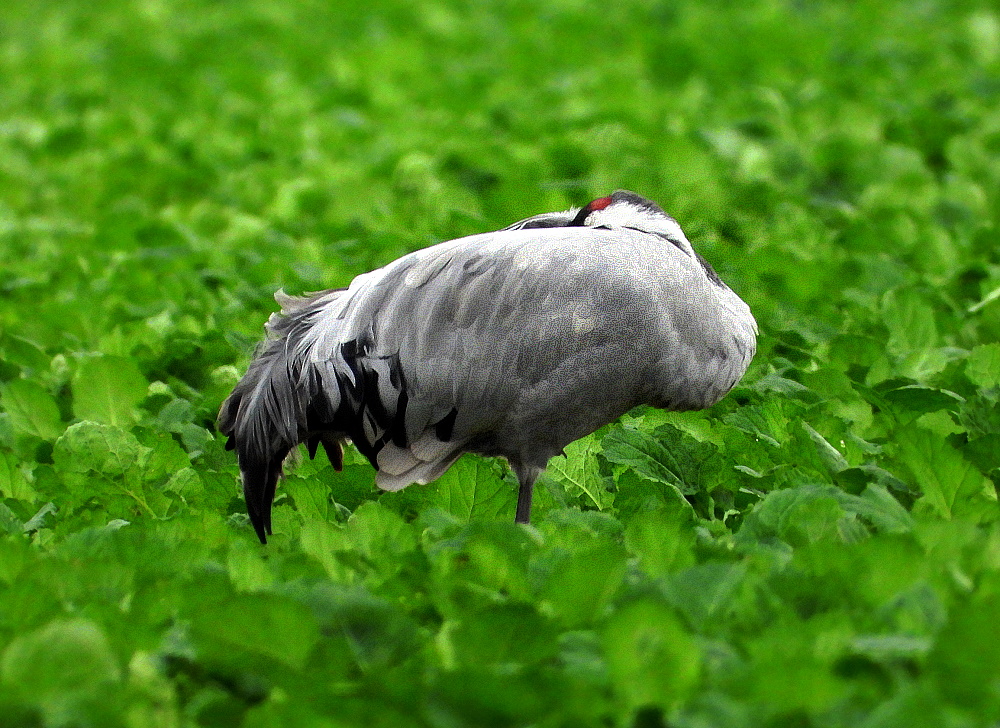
x=821, y=548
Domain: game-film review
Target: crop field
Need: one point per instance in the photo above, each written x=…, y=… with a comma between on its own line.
x=820, y=549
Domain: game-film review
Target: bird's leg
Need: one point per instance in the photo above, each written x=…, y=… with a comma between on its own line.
x=526, y=476
x=524, y=502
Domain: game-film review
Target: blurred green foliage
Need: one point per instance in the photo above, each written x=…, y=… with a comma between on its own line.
x=820, y=549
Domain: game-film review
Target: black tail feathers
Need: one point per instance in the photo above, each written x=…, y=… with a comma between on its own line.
x=260, y=480
x=263, y=420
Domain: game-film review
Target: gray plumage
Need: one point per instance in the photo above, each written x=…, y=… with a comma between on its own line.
x=511, y=343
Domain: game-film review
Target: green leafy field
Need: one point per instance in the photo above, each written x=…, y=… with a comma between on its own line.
x=820, y=549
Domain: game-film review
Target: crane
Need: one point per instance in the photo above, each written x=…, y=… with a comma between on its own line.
x=511, y=343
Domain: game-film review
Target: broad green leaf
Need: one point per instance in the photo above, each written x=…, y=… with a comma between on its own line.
x=965, y=660
x=166, y=457
x=951, y=485
x=913, y=337
x=849, y=348
x=792, y=663
x=248, y=571
x=13, y=484
x=474, y=488
x=798, y=516
x=93, y=447
x=260, y=624
x=910, y=320
x=923, y=399
x=101, y=461
x=983, y=365
x=663, y=540
x=635, y=494
x=705, y=591
x=378, y=632
x=311, y=497
x=878, y=507
x=186, y=483
x=9, y=522
x=380, y=537
x=573, y=528
x=321, y=540
x=651, y=659
x=32, y=410
x=643, y=454
x=24, y=353
x=107, y=389
x=578, y=470
x=984, y=452
x=503, y=634
x=766, y=421
x=828, y=454
x=775, y=384
x=485, y=561
x=584, y=584
x=670, y=457
x=59, y=665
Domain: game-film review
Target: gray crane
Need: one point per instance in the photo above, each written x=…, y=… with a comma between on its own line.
x=511, y=343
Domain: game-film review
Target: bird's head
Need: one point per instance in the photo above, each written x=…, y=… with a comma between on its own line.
x=624, y=209
x=620, y=209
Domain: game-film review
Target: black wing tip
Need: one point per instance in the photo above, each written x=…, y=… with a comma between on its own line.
x=262, y=533
x=256, y=512
x=260, y=481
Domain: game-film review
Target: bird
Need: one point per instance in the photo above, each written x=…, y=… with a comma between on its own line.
x=511, y=343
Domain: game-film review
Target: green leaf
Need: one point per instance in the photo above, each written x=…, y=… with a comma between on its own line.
x=766, y=421
x=166, y=457
x=965, y=660
x=311, y=497
x=59, y=666
x=107, y=389
x=828, y=454
x=642, y=453
x=798, y=516
x=581, y=586
x=705, y=591
x=88, y=447
x=651, y=658
x=923, y=399
x=792, y=664
x=32, y=410
x=878, y=507
x=488, y=559
x=775, y=384
x=475, y=488
x=502, y=634
x=852, y=348
x=9, y=522
x=379, y=536
x=910, y=320
x=951, y=485
x=104, y=461
x=984, y=452
x=260, y=624
x=671, y=457
x=321, y=540
x=663, y=540
x=248, y=571
x=983, y=365
x=578, y=470
x=13, y=484
x=24, y=353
